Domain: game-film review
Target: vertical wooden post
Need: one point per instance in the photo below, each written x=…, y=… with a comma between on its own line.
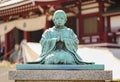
x=102, y=22
x=6, y=47
x=6, y=43
x=101, y=18
x=80, y=28
x=108, y=24
x=80, y=23
x=26, y=36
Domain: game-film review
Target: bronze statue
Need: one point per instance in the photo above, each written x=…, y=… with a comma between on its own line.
x=59, y=43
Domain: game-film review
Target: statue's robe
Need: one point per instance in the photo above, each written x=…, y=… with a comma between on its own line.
x=68, y=51
x=49, y=40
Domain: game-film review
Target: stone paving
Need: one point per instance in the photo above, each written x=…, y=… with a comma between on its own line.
x=4, y=74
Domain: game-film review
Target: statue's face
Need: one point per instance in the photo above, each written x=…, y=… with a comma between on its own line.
x=59, y=19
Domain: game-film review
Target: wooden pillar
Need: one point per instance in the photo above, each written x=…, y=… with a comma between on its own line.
x=102, y=28
x=26, y=36
x=101, y=6
x=80, y=23
x=6, y=47
x=6, y=44
x=80, y=28
x=101, y=18
x=108, y=24
x=101, y=24
x=105, y=36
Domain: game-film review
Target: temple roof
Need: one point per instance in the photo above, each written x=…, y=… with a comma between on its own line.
x=13, y=7
x=13, y=2
x=10, y=2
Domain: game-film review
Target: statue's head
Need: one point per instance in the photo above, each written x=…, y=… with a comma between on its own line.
x=59, y=18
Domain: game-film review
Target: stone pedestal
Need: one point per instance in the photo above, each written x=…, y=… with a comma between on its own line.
x=60, y=75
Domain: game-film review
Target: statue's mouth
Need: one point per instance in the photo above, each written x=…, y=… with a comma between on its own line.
x=59, y=23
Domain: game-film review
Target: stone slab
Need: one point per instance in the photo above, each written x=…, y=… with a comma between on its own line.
x=60, y=75
x=59, y=67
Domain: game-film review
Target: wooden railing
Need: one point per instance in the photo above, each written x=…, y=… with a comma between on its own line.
x=105, y=37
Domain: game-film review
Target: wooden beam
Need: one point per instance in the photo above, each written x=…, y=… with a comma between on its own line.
x=49, y=3
x=111, y=14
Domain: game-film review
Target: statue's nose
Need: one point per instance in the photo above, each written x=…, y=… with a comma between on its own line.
x=59, y=20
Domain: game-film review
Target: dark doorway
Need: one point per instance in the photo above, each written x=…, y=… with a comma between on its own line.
x=18, y=36
x=36, y=35
x=72, y=23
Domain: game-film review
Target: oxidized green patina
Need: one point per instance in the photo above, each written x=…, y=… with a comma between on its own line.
x=59, y=43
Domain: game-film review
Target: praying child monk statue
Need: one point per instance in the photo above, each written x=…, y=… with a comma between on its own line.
x=59, y=43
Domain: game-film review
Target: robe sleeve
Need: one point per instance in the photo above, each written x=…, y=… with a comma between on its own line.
x=71, y=44
x=47, y=43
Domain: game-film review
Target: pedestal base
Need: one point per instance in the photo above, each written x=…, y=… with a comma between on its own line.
x=59, y=67
x=60, y=75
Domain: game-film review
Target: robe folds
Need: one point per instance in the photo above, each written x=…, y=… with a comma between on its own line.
x=62, y=50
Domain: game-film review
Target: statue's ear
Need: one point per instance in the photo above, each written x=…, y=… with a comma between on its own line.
x=53, y=21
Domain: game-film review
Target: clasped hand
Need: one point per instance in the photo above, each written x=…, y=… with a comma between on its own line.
x=59, y=38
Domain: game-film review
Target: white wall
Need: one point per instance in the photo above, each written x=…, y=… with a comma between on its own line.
x=115, y=23
x=118, y=40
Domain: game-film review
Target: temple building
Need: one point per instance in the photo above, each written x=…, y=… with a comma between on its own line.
x=95, y=22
